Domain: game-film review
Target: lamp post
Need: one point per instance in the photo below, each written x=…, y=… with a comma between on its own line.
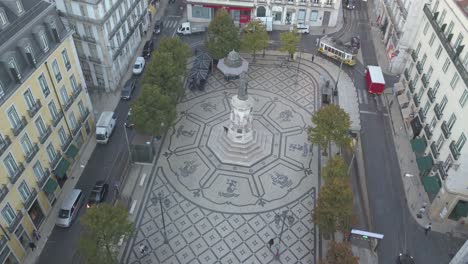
x=335, y=91
x=128, y=145
x=278, y=218
x=161, y=199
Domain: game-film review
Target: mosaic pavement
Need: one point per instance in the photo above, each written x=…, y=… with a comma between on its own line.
x=221, y=213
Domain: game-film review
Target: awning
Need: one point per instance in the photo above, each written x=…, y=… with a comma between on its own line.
x=62, y=168
x=72, y=151
x=424, y=163
x=418, y=145
x=50, y=186
x=431, y=184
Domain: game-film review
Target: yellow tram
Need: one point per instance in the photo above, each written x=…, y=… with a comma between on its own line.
x=338, y=51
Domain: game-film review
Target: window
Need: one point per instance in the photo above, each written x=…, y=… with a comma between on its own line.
x=64, y=95
x=2, y=93
x=19, y=6
x=436, y=6
x=83, y=10
x=10, y=165
x=443, y=103
x=199, y=11
x=38, y=170
x=439, y=50
x=439, y=142
x=314, y=15
x=429, y=72
x=40, y=126
x=53, y=110
x=301, y=15
x=426, y=27
x=44, y=86
x=26, y=144
x=431, y=40
x=458, y=41
x=66, y=60
x=418, y=48
x=463, y=98
x=73, y=83
x=3, y=19
x=82, y=109
x=29, y=52
x=24, y=191
x=12, y=64
x=423, y=60
x=449, y=29
x=114, y=18
x=454, y=81
x=88, y=30
x=51, y=153
x=436, y=87
x=108, y=26
x=56, y=70
x=62, y=136
x=72, y=119
x=45, y=43
x=442, y=17
x=8, y=214
x=451, y=121
x=28, y=97
x=14, y=118
x=446, y=65
x=461, y=142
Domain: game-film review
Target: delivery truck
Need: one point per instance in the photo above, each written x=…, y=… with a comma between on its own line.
x=105, y=126
x=375, y=80
x=188, y=28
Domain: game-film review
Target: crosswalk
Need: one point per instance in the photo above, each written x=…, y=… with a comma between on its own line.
x=365, y=98
x=171, y=23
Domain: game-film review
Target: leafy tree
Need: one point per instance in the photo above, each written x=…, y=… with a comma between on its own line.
x=340, y=253
x=255, y=37
x=335, y=168
x=331, y=124
x=334, y=209
x=163, y=72
x=153, y=112
x=223, y=35
x=289, y=42
x=179, y=50
x=104, y=225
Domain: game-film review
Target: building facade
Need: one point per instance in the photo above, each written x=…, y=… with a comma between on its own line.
x=45, y=116
x=107, y=35
x=314, y=13
x=433, y=94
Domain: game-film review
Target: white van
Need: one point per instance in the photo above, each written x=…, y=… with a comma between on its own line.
x=69, y=209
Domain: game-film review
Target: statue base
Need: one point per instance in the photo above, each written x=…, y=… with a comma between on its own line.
x=240, y=129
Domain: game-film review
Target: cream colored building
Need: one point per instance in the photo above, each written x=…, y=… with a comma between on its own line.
x=44, y=116
x=433, y=94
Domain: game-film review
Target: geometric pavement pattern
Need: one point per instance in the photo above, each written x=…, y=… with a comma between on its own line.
x=214, y=212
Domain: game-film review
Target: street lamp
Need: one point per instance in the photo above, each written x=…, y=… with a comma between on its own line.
x=278, y=218
x=161, y=199
x=335, y=92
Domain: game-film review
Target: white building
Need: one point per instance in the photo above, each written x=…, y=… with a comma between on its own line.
x=107, y=35
x=433, y=94
x=284, y=12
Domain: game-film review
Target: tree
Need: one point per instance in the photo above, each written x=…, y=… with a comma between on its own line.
x=153, y=112
x=335, y=168
x=164, y=72
x=104, y=226
x=340, y=253
x=223, y=35
x=334, y=209
x=179, y=50
x=255, y=37
x=290, y=41
x=331, y=124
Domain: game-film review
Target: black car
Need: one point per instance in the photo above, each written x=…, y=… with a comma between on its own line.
x=158, y=27
x=148, y=49
x=128, y=121
x=127, y=90
x=98, y=194
x=405, y=259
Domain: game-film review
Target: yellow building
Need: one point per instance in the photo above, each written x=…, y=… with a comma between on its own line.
x=44, y=118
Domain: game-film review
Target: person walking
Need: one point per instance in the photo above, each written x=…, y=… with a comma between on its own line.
x=428, y=228
x=271, y=242
x=313, y=57
x=143, y=249
x=32, y=245
x=36, y=235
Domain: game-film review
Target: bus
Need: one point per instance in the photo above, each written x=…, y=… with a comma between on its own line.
x=337, y=50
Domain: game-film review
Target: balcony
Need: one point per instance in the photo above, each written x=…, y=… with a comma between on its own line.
x=12, y=227
x=31, y=153
x=454, y=150
x=438, y=111
x=88, y=38
x=422, y=115
x=76, y=129
x=453, y=54
x=407, y=77
x=31, y=199
x=416, y=100
x=431, y=95
x=428, y=131
x=44, y=178
x=35, y=108
x=119, y=50
x=3, y=192
x=67, y=143
x=94, y=59
x=5, y=142
x=435, y=151
x=411, y=86
x=419, y=67
x=3, y=242
x=68, y=103
x=19, y=126
x=56, y=159
x=414, y=55
x=77, y=91
x=56, y=119
x=425, y=80
x=445, y=130
x=43, y=138
x=19, y=170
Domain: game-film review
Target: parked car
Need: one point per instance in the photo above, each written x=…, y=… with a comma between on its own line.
x=98, y=194
x=405, y=259
x=69, y=209
x=128, y=122
x=148, y=49
x=350, y=4
x=128, y=89
x=158, y=27
x=139, y=66
x=301, y=29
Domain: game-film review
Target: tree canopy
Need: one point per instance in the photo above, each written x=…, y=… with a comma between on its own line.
x=223, y=35
x=331, y=124
x=340, y=253
x=255, y=37
x=334, y=168
x=104, y=226
x=289, y=42
x=179, y=50
x=163, y=71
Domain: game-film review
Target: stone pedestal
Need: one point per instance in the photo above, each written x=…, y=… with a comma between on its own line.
x=240, y=127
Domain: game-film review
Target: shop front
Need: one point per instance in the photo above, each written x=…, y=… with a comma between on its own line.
x=240, y=15
x=205, y=12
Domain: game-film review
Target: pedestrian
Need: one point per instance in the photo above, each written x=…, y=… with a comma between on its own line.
x=226, y=130
x=32, y=245
x=143, y=249
x=313, y=57
x=323, y=31
x=428, y=228
x=36, y=235
x=271, y=242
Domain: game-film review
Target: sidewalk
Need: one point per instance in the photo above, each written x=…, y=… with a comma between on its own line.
x=416, y=196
